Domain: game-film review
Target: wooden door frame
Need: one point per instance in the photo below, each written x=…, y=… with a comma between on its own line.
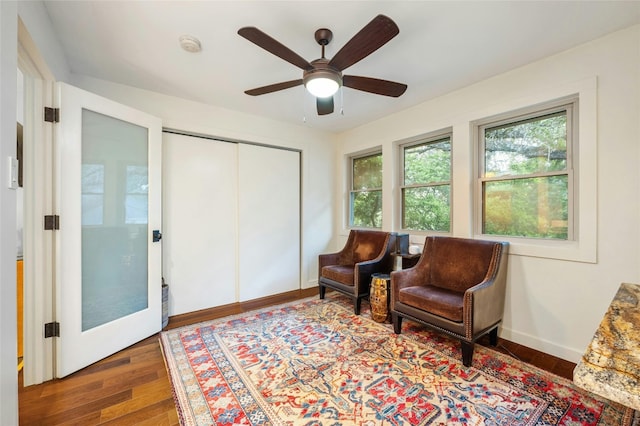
x=38, y=245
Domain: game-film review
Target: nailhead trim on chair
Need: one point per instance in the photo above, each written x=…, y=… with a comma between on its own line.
x=445, y=331
x=468, y=297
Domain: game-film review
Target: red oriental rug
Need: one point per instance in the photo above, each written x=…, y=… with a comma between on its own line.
x=314, y=362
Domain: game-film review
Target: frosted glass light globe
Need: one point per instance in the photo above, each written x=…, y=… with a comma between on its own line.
x=322, y=87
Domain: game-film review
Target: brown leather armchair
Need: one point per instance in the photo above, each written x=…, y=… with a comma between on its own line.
x=349, y=270
x=457, y=287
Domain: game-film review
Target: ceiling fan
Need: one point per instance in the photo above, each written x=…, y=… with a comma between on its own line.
x=323, y=77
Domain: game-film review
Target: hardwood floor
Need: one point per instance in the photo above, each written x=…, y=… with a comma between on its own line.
x=132, y=387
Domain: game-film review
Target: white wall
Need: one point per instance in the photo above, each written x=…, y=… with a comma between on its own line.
x=8, y=91
x=553, y=305
x=316, y=147
x=35, y=17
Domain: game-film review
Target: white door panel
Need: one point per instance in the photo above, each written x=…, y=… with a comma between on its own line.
x=108, y=197
x=200, y=214
x=269, y=221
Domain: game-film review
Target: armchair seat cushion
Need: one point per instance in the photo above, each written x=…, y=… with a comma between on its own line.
x=340, y=273
x=436, y=300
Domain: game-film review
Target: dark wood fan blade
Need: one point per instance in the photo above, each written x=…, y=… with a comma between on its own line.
x=370, y=38
x=324, y=105
x=272, y=45
x=374, y=85
x=273, y=87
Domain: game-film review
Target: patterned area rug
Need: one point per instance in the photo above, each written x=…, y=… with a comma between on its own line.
x=314, y=362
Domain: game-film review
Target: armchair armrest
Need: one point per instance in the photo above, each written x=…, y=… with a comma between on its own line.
x=487, y=295
x=490, y=294
x=328, y=259
x=364, y=270
x=337, y=258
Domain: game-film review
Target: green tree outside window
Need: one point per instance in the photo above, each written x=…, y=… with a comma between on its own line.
x=525, y=184
x=366, y=192
x=426, y=186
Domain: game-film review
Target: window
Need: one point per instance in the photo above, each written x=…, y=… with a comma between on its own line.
x=365, y=207
x=526, y=174
x=426, y=184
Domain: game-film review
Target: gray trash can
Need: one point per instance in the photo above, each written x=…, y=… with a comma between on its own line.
x=165, y=304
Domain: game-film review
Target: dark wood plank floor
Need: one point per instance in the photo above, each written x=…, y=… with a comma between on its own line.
x=132, y=387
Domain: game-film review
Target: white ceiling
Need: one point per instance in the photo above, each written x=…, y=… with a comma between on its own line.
x=442, y=46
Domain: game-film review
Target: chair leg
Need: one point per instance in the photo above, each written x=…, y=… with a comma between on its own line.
x=397, y=323
x=467, y=353
x=322, y=290
x=356, y=305
x=493, y=337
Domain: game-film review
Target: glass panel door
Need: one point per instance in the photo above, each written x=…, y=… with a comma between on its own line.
x=108, y=185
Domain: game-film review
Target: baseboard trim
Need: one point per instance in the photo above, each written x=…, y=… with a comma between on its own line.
x=541, y=345
x=239, y=307
x=310, y=284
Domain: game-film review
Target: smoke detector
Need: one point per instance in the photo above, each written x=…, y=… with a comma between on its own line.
x=190, y=44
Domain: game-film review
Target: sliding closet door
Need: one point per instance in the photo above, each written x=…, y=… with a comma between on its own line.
x=200, y=214
x=269, y=221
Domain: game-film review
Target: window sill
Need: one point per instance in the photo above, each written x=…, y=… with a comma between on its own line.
x=574, y=251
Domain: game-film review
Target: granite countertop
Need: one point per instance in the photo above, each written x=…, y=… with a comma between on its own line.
x=610, y=367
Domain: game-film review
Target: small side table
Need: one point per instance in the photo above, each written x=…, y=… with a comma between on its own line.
x=380, y=297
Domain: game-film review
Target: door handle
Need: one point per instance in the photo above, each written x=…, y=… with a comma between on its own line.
x=157, y=235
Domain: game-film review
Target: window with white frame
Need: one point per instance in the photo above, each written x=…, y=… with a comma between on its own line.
x=426, y=184
x=526, y=173
x=365, y=206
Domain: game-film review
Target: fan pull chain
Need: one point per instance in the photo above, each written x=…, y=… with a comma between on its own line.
x=341, y=100
x=304, y=105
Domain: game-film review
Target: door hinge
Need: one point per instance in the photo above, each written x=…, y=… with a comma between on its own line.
x=52, y=329
x=51, y=222
x=51, y=115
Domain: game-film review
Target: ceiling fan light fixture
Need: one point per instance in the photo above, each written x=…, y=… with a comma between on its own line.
x=323, y=77
x=322, y=83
